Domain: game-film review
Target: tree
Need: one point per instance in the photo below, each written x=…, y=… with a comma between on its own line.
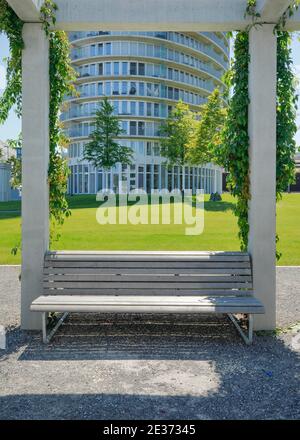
x=15, y=163
x=103, y=151
x=209, y=129
x=179, y=135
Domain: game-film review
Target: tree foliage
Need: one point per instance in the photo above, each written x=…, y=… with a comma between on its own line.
x=208, y=135
x=179, y=132
x=103, y=150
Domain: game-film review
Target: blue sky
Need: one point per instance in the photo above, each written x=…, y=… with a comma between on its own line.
x=12, y=127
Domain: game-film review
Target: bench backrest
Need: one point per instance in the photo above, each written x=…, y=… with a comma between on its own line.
x=145, y=273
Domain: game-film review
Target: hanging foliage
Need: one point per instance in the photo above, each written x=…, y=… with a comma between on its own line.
x=11, y=26
x=233, y=153
x=61, y=76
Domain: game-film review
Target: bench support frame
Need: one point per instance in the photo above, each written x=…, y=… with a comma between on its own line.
x=247, y=338
x=47, y=338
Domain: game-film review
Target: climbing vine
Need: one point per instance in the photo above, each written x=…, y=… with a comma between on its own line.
x=61, y=76
x=234, y=153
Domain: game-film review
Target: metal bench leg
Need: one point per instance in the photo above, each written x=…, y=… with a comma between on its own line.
x=248, y=339
x=47, y=339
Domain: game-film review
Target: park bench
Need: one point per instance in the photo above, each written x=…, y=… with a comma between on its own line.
x=148, y=282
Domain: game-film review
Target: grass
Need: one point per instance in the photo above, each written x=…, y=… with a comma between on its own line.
x=82, y=232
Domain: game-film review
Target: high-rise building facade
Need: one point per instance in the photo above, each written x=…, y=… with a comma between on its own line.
x=144, y=75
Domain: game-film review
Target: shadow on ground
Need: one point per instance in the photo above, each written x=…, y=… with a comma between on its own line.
x=137, y=367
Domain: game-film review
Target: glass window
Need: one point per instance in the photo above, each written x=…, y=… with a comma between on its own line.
x=141, y=128
x=170, y=92
x=107, y=68
x=141, y=108
x=124, y=107
x=100, y=89
x=124, y=125
x=116, y=69
x=149, y=89
x=107, y=48
x=149, y=149
x=124, y=68
x=141, y=147
x=93, y=69
x=133, y=108
x=100, y=49
x=156, y=149
x=170, y=73
x=132, y=90
x=116, y=88
x=176, y=94
x=149, y=106
x=133, y=69
x=142, y=89
x=156, y=110
x=132, y=128
x=100, y=68
x=141, y=69
x=107, y=88
x=93, y=50
x=124, y=88
x=92, y=89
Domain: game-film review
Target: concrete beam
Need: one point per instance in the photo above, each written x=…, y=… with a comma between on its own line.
x=35, y=162
x=27, y=10
x=272, y=10
x=262, y=134
x=143, y=15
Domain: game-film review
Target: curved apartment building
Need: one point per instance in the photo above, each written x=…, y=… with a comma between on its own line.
x=143, y=74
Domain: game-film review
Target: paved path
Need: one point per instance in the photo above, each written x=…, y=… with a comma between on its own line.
x=134, y=367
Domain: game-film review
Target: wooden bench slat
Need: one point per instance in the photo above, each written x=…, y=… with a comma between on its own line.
x=145, y=285
x=148, y=292
x=137, y=270
x=145, y=278
x=150, y=265
x=164, y=304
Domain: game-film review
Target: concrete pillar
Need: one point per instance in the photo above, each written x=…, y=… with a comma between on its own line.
x=262, y=207
x=35, y=194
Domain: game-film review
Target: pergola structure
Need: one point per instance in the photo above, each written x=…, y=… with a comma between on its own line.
x=151, y=15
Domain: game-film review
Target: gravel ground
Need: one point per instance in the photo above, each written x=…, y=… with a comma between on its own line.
x=137, y=367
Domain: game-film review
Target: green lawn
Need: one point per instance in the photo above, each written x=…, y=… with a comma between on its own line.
x=82, y=232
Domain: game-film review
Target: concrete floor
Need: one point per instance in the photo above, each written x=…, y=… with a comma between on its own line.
x=137, y=367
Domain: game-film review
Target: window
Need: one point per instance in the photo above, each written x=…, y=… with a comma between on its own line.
x=156, y=70
x=100, y=89
x=132, y=90
x=116, y=88
x=93, y=69
x=142, y=89
x=124, y=125
x=149, y=105
x=100, y=69
x=176, y=94
x=141, y=108
x=141, y=69
x=108, y=69
x=149, y=149
x=93, y=50
x=107, y=48
x=124, y=107
x=124, y=68
x=170, y=92
x=156, y=110
x=141, y=128
x=116, y=69
x=170, y=73
x=124, y=88
x=133, y=69
x=107, y=88
x=156, y=149
x=132, y=128
x=100, y=49
x=133, y=108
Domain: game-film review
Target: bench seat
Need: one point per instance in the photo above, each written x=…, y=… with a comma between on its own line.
x=147, y=304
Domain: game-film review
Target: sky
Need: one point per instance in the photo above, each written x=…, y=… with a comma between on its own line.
x=12, y=127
